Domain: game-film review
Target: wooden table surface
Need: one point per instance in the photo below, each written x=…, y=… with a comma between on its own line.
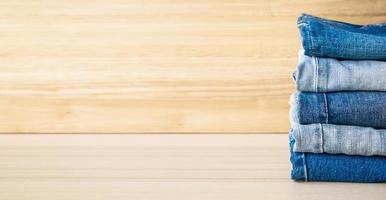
x=159, y=166
x=87, y=66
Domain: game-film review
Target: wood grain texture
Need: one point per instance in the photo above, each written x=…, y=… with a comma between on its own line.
x=167, y=166
x=154, y=66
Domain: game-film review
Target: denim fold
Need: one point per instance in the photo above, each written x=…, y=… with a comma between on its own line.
x=341, y=108
x=336, y=167
x=315, y=74
x=335, y=39
x=338, y=114
x=339, y=139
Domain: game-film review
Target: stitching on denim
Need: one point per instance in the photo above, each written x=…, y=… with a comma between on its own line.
x=342, y=47
x=310, y=39
x=321, y=138
x=307, y=30
x=305, y=167
x=325, y=77
x=329, y=21
x=316, y=73
x=302, y=24
x=326, y=106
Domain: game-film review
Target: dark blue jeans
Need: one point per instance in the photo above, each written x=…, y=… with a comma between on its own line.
x=336, y=167
x=328, y=38
x=341, y=108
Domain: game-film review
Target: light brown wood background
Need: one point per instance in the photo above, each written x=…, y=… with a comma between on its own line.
x=72, y=66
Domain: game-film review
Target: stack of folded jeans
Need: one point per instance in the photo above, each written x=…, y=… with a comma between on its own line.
x=338, y=114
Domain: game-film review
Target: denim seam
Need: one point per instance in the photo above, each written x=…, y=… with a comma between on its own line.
x=330, y=21
x=326, y=106
x=321, y=138
x=305, y=168
x=326, y=73
x=316, y=73
x=310, y=39
x=342, y=47
x=307, y=30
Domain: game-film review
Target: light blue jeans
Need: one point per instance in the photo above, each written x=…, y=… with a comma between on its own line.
x=314, y=74
x=339, y=139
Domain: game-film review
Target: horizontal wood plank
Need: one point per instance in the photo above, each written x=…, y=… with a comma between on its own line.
x=158, y=66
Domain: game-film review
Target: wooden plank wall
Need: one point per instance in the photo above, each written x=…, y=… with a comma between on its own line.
x=98, y=66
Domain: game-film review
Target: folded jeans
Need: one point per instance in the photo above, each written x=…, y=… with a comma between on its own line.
x=315, y=74
x=329, y=38
x=342, y=108
x=339, y=139
x=336, y=167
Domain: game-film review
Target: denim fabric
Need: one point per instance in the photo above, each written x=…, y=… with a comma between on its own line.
x=339, y=139
x=314, y=74
x=342, y=108
x=328, y=38
x=336, y=167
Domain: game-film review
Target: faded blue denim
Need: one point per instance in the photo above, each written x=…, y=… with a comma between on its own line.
x=314, y=74
x=339, y=139
x=341, y=108
x=329, y=38
x=336, y=167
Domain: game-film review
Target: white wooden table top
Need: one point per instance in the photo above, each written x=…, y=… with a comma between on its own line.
x=158, y=166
